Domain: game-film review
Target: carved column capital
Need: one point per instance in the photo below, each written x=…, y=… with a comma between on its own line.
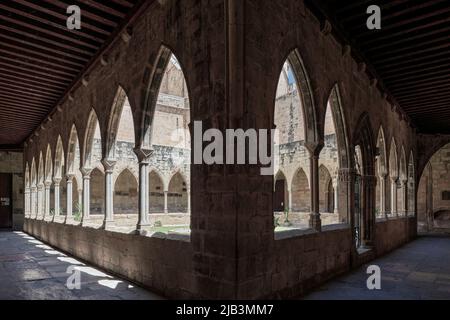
x=109, y=164
x=143, y=154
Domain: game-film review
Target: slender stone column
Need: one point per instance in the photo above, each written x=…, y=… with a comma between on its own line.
x=166, y=194
x=69, y=204
x=56, y=183
x=394, y=210
x=47, y=199
x=109, y=164
x=27, y=202
x=40, y=193
x=314, y=219
x=383, y=211
x=289, y=204
x=188, y=193
x=143, y=158
x=336, y=196
x=33, y=203
x=86, y=196
x=404, y=209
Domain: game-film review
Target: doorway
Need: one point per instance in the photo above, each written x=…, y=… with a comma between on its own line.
x=5, y=201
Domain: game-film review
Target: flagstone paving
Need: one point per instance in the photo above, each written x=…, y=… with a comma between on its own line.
x=418, y=270
x=30, y=269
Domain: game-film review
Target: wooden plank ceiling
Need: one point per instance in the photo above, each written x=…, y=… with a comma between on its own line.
x=410, y=55
x=40, y=59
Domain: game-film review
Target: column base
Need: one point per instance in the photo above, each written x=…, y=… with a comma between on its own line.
x=69, y=220
x=315, y=222
x=85, y=222
x=140, y=228
x=108, y=224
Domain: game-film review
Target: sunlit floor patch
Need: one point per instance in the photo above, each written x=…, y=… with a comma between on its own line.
x=36, y=271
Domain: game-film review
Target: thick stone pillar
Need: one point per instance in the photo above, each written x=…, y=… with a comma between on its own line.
x=109, y=192
x=336, y=196
x=315, y=222
x=48, y=184
x=166, y=194
x=143, y=158
x=69, y=204
x=394, y=210
x=56, y=183
x=86, y=196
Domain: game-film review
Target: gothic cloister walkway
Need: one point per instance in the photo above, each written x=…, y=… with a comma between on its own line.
x=29, y=269
x=418, y=270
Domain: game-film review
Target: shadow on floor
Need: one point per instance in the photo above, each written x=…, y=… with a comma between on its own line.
x=32, y=270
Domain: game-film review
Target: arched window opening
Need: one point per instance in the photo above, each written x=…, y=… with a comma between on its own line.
x=126, y=201
x=169, y=137
x=33, y=196
x=97, y=195
x=157, y=193
x=394, y=181
x=358, y=210
x=177, y=195
x=402, y=186
x=40, y=187
x=433, y=196
x=48, y=211
x=381, y=174
x=291, y=197
x=73, y=177
x=332, y=157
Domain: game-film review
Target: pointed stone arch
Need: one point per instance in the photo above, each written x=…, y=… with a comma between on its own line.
x=88, y=152
x=381, y=172
x=177, y=194
x=113, y=123
x=48, y=165
x=393, y=160
x=59, y=159
x=157, y=188
x=73, y=150
x=307, y=98
x=334, y=105
x=152, y=86
x=300, y=191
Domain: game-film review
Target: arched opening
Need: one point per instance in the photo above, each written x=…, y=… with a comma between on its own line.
x=333, y=157
x=59, y=179
x=364, y=183
x=358, y=209
x=292, y=109
x=156, y=196
x=48, y=210
x=97, y=195
x=381, y=174
x=326, y=197
x=126, y=201
x=33, y=196
x=402, y=185
x=121, y=141
x=27, y=193
x=393, y=182
x=73, y=176
x=40, y=187
x=433, y=196
x=94, y=195
x=177, y=196
x=166, y=132
x=280, y=196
